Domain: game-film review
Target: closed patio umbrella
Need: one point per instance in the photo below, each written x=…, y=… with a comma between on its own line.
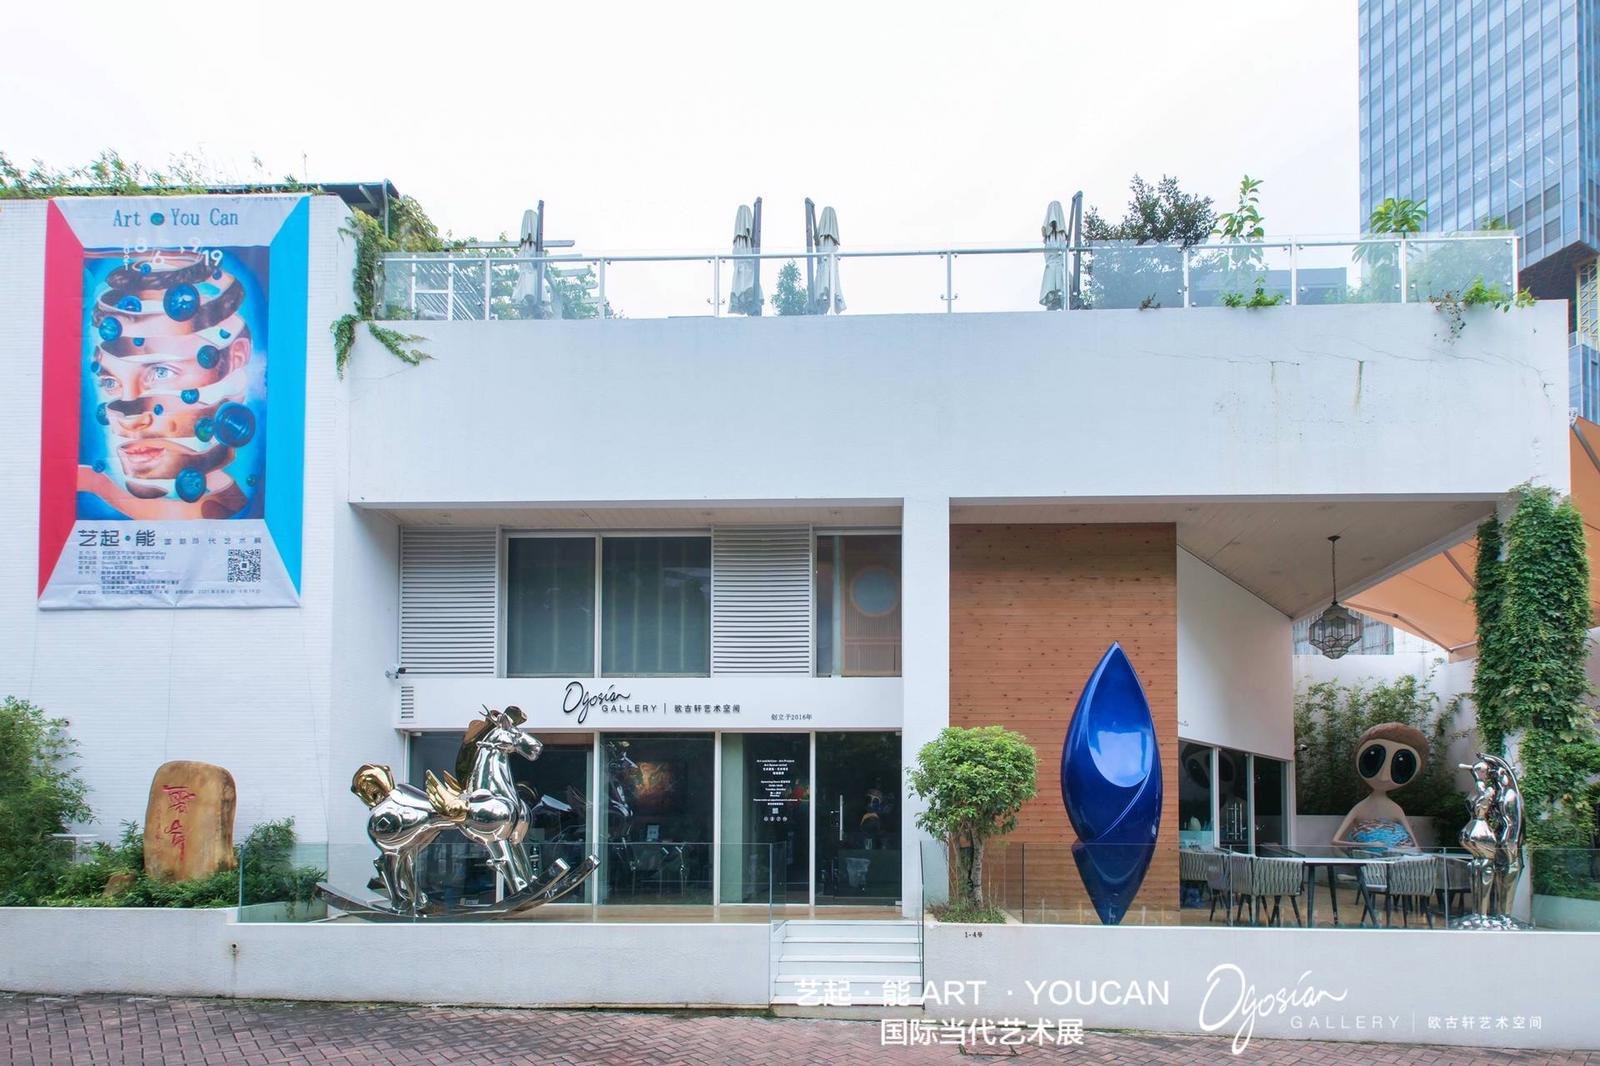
x=745, y=296
x=1052, y=290
x=530, y=292
x=827, y=294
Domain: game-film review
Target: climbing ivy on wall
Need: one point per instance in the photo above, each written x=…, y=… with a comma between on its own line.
x=410, y=230
x=1531, y=689
x=109, y=174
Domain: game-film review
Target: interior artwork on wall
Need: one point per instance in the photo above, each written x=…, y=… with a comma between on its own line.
x=1111, y=785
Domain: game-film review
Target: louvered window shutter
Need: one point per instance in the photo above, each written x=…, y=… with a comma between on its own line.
x=761, y=600
x=447, y=600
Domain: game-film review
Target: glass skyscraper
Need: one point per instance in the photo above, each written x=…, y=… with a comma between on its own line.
x=1489, y=112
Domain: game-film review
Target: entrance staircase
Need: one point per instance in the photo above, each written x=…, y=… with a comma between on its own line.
x=856, y=958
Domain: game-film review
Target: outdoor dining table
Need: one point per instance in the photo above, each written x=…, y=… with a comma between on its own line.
x=1333, y=864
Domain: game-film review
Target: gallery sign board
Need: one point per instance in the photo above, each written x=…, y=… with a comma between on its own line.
x=656, y=704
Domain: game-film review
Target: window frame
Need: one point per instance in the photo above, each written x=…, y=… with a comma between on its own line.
x=817, y=533
x=598, y=536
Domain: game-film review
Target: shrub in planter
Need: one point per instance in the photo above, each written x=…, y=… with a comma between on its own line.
x=974, y=781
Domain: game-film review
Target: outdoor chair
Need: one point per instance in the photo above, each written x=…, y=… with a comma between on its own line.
x=1410, y=882
x=1274, y=878
x=1453, y=886
x=1223, y=879
x=1192, y=870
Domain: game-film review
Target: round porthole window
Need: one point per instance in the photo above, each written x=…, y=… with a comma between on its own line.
x=875, y=591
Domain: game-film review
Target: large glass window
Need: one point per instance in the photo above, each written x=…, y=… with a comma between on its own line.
x=654, y=598
x=557, y=788
x=550, y=606
x=1233, y=799
x=655, y=613
x=1271, y=799
x=858, y=605
x=766, y=817
x=859, y=818
x=657, y=820
x=1194, y=794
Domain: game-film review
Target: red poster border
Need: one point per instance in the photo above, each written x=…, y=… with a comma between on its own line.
x=61, y=391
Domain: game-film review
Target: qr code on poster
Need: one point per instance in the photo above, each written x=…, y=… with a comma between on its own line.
x=244, y=565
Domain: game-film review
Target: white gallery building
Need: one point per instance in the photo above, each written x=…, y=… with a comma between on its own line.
x=752, y=563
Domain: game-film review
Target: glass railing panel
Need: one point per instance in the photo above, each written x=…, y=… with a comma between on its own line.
x=1252, y=274
x=648, y=881
x=1566, y=888
x=1345, y=272
x=671, y=288
x=883, y=285
x=1011, y=281
x=1279, y=886
x=279, y=883
x=1444, y=267
x=1123, y=275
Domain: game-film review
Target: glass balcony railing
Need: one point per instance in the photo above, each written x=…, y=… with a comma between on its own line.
x=497, y=283
x=1310, y=886
x=696, y=880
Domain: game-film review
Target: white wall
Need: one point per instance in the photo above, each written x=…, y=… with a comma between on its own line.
x=1235, y=688
x=1316, y=401
x=513, y=964
x=1387, y=982
x=246, y=689
x=1368, y=669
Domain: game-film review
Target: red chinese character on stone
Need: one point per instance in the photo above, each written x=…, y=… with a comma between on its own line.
x=178, y=797
x=176, y=836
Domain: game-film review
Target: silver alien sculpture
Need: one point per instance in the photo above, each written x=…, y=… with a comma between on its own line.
x=486, y=809
x=1493, y=837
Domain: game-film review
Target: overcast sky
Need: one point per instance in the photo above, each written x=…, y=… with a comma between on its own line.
x=643, y=126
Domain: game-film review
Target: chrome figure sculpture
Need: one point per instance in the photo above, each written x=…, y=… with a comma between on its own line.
x=1493, y=837
x=486, y=809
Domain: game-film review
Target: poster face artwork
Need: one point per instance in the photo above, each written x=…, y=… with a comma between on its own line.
x=171, y=474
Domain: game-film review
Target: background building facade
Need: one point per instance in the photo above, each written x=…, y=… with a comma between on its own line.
x=1489, y=112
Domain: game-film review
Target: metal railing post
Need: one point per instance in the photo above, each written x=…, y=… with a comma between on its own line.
x=450, y=290
x=1294, y=274
x=488, y=287
x=949, y=283
x=1066, y=301
x=1184, y=254
x=603, y=311
x=716, y=286
x=1405, y=270
x=412, y=294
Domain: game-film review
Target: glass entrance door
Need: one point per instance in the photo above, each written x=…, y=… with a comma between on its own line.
x=766, y=817
x=859, y=818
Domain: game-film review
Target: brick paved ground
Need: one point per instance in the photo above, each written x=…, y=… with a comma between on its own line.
x=122, y=1029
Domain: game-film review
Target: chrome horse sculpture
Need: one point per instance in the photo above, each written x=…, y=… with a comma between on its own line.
x=486, y=809
x=1493, y=837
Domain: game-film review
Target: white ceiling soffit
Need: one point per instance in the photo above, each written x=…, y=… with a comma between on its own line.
x=1277, y=549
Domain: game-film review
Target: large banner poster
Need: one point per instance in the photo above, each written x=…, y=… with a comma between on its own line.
x=171, y=475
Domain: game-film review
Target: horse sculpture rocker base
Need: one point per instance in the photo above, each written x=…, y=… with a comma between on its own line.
x=486, y=809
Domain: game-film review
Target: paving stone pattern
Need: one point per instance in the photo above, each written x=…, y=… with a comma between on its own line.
x=132, y=1029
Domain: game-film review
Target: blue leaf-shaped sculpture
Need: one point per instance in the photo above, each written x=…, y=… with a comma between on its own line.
x=1111, y=785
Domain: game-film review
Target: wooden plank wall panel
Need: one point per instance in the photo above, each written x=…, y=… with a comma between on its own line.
x=1032, y=610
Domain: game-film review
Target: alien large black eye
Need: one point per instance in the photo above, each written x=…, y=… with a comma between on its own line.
x=1371, y=762
x=1404, y=766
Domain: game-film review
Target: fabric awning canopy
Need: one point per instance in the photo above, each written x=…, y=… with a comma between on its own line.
x=1433, y=599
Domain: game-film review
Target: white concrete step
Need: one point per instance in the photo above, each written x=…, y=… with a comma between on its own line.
x=831, y=967
x=863, y=989
x=850, y=940
x=839, y=930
